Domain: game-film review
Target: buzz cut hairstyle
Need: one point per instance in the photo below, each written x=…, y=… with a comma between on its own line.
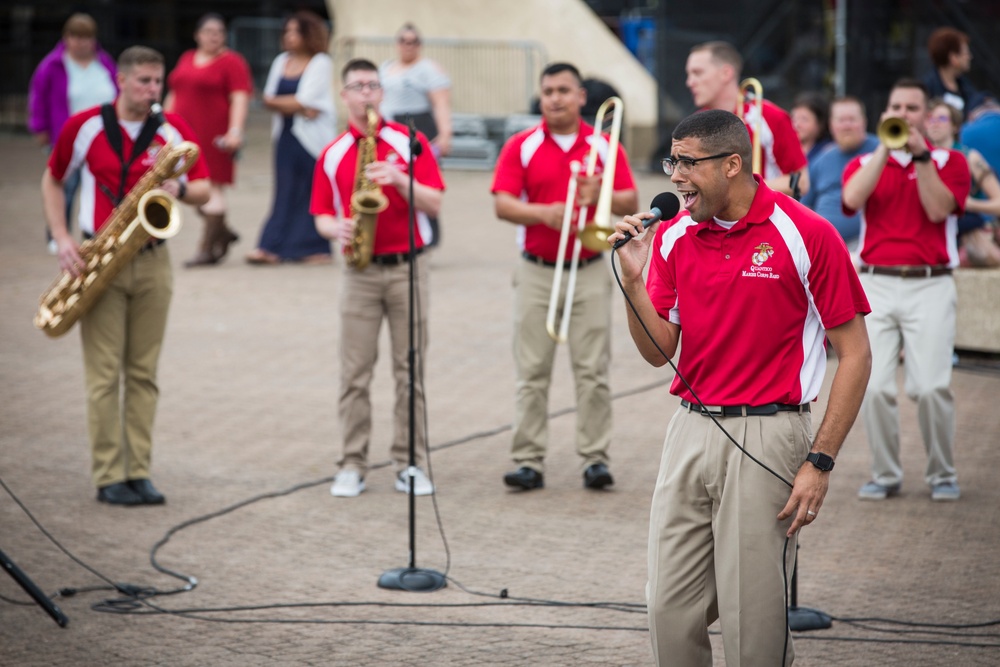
x=909, y=82
x=718, y=131
x=357, y=65
x=850, y=99
x=558, y=68
x=134, y=56
x=722, y=52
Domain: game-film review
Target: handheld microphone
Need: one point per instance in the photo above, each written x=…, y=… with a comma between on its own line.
x=664, y=206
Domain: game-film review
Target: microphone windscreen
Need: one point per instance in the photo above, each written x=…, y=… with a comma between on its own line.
x=667, y=203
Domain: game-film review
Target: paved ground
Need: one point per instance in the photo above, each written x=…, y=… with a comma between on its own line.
x=248, y=384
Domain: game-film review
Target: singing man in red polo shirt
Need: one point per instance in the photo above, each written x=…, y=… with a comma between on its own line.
x=752, y=282
x=530, y=188
x=909, y=200
x=382, y=289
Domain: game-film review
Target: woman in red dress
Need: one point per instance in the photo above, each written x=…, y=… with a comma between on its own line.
x=210, y=87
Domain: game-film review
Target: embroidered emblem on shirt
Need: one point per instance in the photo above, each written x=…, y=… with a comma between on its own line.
x=762, y=254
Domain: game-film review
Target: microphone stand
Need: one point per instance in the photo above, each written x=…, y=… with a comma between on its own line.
x=412, y=578
x=31, y=589
x=802, y=618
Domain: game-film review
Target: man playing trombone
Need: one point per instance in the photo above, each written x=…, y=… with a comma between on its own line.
x=533, y=186
x=713, y=77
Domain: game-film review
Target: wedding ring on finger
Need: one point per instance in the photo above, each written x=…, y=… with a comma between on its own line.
x=810, y=513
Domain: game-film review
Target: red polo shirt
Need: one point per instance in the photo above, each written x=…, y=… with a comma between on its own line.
x=333, y=184
x=535, y=168
x=83, y=145
x=781, y=152
x=754, y=301
x=895, y=229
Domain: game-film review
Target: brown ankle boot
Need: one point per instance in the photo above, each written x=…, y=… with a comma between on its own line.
x=223, y=236
x=204, y=256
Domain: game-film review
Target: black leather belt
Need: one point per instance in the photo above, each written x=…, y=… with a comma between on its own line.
x=394, y=259
x=908, y=271
x=150, y=244
x=745, y=410
x=544, y=262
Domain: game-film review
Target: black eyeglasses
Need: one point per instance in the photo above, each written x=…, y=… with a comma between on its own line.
x=408, y=42
x=358, y=86
x=684, y=165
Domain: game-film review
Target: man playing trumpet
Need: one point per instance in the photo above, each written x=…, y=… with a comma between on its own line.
x=530, y=188
x=713, y=77
x=123, y=332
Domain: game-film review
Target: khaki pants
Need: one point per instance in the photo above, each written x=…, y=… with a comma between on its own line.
x=122, y=336
x=715, y=544
x=916, y=315
x=534, y=353
x=367, y=297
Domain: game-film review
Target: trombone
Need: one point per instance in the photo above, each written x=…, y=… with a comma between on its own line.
x=757, y=97
x=593, y=236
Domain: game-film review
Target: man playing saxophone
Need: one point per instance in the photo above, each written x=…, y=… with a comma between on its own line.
x=113, y=146
x=367, y=167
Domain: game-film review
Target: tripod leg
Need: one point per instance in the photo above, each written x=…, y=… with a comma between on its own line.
x=31, y=589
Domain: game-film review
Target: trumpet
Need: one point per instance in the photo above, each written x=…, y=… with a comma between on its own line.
x=593, y=236
x=894, y=133
x=757, y=92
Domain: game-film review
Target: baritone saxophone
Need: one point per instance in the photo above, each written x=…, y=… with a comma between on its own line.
x=146, y=212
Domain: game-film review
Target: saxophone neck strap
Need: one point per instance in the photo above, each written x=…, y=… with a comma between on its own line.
x=113, y=131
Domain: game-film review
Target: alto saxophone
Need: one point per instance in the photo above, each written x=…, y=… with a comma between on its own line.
x=145, y=212
x=367, y=200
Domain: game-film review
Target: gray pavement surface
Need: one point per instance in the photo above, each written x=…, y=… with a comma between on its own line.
x=248, y=390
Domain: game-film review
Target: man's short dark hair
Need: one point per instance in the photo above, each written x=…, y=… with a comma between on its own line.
x=357, y=65
x=909, y=82
x=718, y=131
x=139, y=55
x=849, y=99
x=558, y=68
x=722, y=52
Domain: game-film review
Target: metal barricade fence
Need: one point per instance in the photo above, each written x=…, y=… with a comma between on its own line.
x=492, y=78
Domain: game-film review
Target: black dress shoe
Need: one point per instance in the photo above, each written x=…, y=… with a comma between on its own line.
x=597, y=476
x=119, y=493
x=146, y=492
x=524, y=478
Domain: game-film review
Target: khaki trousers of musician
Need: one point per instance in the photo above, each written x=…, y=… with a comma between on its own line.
x=715, y=544
x=366, y=298
x=122, y=336
x=589, y=342
x=916, y=315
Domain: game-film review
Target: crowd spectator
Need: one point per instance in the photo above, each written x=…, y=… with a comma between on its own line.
x=810, y=115
x=299, y=90
x=76, y=75
x=951, y=57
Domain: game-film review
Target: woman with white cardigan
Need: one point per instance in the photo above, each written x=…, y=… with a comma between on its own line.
x=299, y=89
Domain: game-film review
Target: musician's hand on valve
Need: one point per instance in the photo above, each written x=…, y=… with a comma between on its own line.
x=345, y=231
x=69, y=256
x=588, y=189
x=383, y=173
x=552, y=215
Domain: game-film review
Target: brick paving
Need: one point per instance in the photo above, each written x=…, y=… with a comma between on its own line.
x=248, y=381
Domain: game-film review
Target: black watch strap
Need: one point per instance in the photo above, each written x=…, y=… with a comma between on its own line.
x=822, y=461
x=923, y=157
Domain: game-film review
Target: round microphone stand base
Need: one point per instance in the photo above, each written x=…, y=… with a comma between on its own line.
x=413, y=579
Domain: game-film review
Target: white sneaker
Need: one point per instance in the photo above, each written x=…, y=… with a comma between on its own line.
x=347, y=484
x=421, y=485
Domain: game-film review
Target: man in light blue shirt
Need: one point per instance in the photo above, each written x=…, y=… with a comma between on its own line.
x=847, y=125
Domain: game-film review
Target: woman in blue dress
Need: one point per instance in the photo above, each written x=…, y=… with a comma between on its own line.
x=299, y=92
